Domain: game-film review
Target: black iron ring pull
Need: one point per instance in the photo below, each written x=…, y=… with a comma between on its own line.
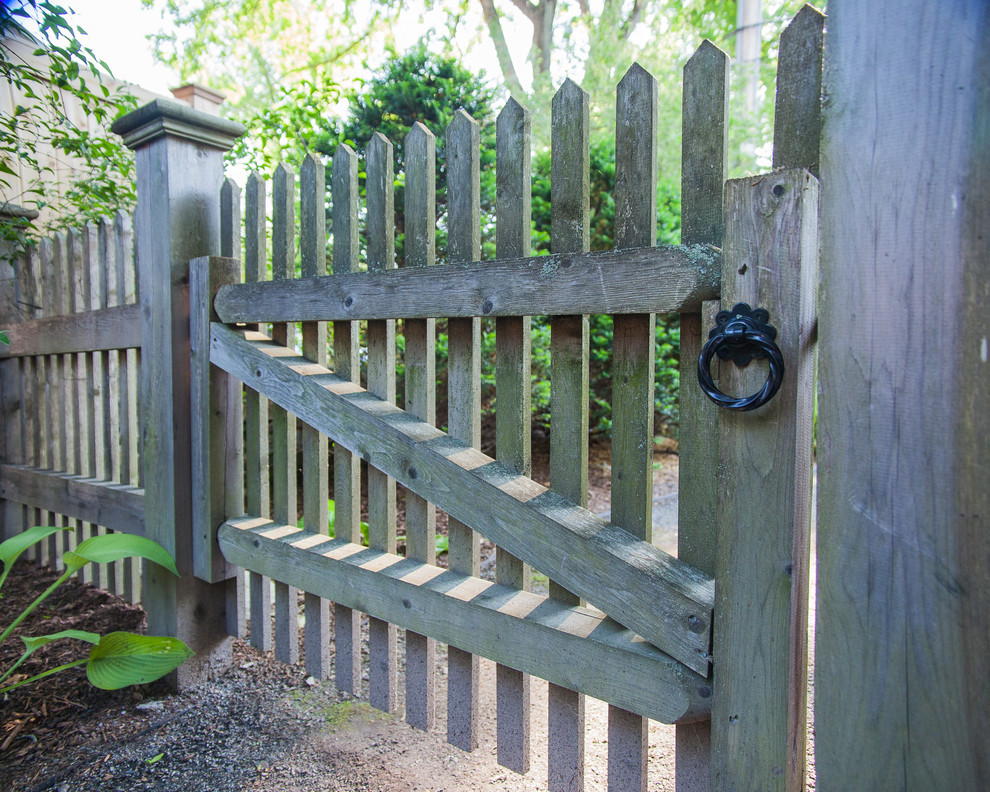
x=741, y=335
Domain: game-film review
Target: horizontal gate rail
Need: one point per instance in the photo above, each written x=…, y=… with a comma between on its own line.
x=516, y=628
x=119, y=507
x=645, y=280
x=94, y=331
x=663, y=599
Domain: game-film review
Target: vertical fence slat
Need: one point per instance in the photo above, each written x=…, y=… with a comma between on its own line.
x=797, y=123
x=112, y=398
x=463, y=402
x=128, y=405
x=346, y=466
x=50, y=251
x=421, y=395
x=704, y=127
x=513, y=418
x=69, y=377
x=284, y=423
x=313, y=253
x=257, y=499
x=770, y=261
x=569, y=233
x=382, y=658
x=12, y=392
x=93, y=299
x=230, y=247
x=632, y=377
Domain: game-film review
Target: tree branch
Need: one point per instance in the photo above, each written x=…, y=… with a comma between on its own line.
x=530, y=10
x=502, y=48
x=629, y=25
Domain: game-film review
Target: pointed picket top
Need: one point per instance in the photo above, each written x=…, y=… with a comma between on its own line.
x=463, y=188
x=344, y=192
x=570, y=123
x=421, y=147
x=569, y=95
x=283, y=222
x=379, y=183
x=513, y=180
x=512, y=116
x=230, y=218
x=797, y=115
x=313, y=216
x=636, y=159
x=707, y=56
x=255, y=229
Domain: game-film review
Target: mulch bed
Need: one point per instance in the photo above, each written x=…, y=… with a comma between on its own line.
x=63, y=710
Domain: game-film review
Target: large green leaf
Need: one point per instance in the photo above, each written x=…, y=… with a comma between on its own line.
x=113, y=547
x=33, y=642
x=122, y=659
x=11, y=549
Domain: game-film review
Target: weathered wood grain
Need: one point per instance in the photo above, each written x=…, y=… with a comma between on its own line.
x=649, y=280
x=463, y=403
x=665, y=600
x=704, y=132
x=633, y=340
x=284, y=507
x=315, y=451
x=382, y=636
x=256, y=481
x=797, y=118
x=569, y=233
x=110, y=328
x=513, y=413
x=346, y=466
x=761, y=560
x=902, y=694
x=465, y=611
x=420, y=390
x=73, y=384
x=111, y=384
x=119, y=507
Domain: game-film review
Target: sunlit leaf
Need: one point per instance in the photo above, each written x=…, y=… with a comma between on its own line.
x=33, y=642
x=121, y=659
x=11, y=549
x=113, y=547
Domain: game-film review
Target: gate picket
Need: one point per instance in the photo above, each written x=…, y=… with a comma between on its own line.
x=569, y=233
x=464, y=402
x=421, y=401
x=284, y=507
x=382, y=636
x=346, y=466
x=513, y=411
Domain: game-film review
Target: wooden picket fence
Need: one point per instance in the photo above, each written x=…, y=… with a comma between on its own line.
x=716, y=635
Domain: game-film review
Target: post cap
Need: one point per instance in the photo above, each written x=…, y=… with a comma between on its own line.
x=162, y=117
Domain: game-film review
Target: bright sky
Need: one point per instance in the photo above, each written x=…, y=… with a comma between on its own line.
x=117, y=32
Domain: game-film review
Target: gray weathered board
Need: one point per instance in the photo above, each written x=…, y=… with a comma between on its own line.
x=665, y=600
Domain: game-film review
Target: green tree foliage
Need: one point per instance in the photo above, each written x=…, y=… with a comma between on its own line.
x=104, y=177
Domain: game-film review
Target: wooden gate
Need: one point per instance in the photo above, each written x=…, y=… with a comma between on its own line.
x=715, y=635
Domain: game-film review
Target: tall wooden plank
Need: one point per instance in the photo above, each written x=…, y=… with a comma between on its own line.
x=704, y=134
x=797, y=124
x=94, y=298
x=632, y=377
x=761, y=564
x=513, y=416
x=73, y=424
x=902, y=694
x=230, y=247
x=421, y=401
x=12, y=386
x=50, y=252
x=569, y=233
x=463, y=401
x=126, y=276
x=346, y=466
x=315, y=450
x=257, y=500
x=284, y=461
x=112, y=378
x=382, y=636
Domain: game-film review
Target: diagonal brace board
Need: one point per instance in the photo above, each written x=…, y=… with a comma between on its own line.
x=516, y=628
x=638, y=280
x=663, y=599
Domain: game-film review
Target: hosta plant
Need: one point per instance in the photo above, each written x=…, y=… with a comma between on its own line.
x=117, y=659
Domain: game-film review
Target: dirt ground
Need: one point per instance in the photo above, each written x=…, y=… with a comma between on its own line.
x=263, y=725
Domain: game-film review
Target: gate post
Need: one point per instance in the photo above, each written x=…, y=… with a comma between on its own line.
x=179, y=171
x=764, y=493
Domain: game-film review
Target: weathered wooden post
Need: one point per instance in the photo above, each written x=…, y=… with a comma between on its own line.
x=179, y=170
x=903, y=623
